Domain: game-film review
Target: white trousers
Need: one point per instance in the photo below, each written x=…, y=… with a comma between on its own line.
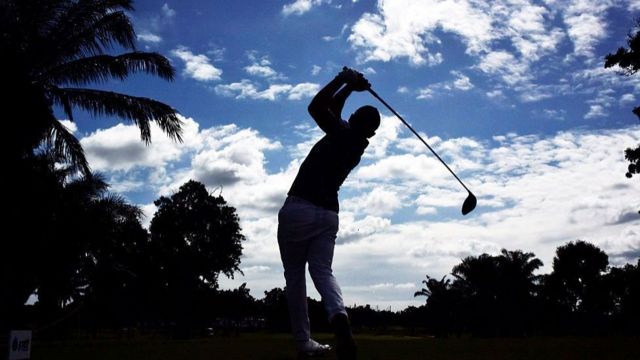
x=307, y=234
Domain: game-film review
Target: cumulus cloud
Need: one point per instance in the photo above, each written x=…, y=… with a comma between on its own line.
x=506, y=40
x=336, y=37
x=586, y=25
x=299, y=7
x=408, y=29
x=247, y=89
x=627, y=98
x=495, y=94
x=70, y=126
x=599, y=105
x=197, y=66
x=167, y=11
x=380, y=201
x=534, y=193
x=261, y=67
x=149, y=37
x=461, y=83
x=303, y=90
x=119, y=148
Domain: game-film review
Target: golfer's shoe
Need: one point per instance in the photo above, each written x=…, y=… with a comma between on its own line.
x=312, y=348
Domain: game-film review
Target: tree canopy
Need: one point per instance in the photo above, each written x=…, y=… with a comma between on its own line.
x=628, y=59
x=53, y=49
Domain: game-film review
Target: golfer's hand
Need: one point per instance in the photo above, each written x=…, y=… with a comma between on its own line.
x=355, y=79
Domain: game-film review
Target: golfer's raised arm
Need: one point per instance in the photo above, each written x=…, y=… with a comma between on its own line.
x=337, y=103
x=321, y=107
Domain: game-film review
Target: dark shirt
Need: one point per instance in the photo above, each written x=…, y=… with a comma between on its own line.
x=326, y=167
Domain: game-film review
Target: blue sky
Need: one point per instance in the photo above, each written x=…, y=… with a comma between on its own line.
x=513, y=94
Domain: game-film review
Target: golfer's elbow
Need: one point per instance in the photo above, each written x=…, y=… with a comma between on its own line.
x=314, y=109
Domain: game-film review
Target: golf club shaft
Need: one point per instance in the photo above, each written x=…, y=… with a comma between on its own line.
x=419, y=137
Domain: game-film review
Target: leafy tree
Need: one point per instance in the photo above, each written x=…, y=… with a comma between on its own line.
x=576, y=283
x=491, y=295
x=275, y=310
x=443, y=308
x=79, y=241
x=629, y=61
x=116, y=263
x=52, y=50
x=623, y=284
x=195, y=236
x=93, y=253
x=32, y=196
x=478, y=278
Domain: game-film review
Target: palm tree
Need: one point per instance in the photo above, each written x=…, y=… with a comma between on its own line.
x=51, y=50
x=442, y=306
x=498, y=291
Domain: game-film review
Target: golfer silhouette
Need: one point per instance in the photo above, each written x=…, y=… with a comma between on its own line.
x=308, y=220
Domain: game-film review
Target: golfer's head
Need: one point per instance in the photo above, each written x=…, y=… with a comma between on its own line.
x=365, y=120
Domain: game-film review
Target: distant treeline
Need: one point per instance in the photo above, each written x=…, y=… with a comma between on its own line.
x=93, y=266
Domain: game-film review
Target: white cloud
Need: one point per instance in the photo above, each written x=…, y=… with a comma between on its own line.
x=378, y=202
x=425, y=93
x=595, y=111
x=167, y=11
x=315, y=70
x=246, y=89
x=69, y=125
x=506, y=66
x=332, y=38
x=262, y=70
x=368, y=70
x=534, y=193
x=598, y=106
x=554, y=114
x=149, y=37
x=627, y=98
x=197, y=67
x=586, y=25
x=303, y=90
x=148, y=211
x=506, y=40
x=261, y=67
x=495, y=94
x=405, y=29
x=216, y=53
x=460, y=83
x=119, y=148
x=299, y=7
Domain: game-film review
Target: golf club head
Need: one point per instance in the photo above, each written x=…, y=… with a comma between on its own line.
x=469, y=204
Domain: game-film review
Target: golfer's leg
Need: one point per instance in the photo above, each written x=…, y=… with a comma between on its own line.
x=293, y=257
x=295, y=222
x=320, y=260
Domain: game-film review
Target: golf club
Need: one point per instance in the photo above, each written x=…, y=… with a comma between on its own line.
x=470, y=202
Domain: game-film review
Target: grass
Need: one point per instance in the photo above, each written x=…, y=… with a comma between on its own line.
x=279, y=346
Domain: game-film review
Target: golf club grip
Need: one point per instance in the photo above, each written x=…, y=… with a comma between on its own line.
x=419, y=137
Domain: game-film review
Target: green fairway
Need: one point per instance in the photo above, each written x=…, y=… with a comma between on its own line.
x=279, y=346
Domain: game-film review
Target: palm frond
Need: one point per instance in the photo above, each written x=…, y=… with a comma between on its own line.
x=94, y=38
x=81, y=15
x=119, y=208
x=66, y=147
x=91, y=188
x=139, y=110
x=101, y=68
